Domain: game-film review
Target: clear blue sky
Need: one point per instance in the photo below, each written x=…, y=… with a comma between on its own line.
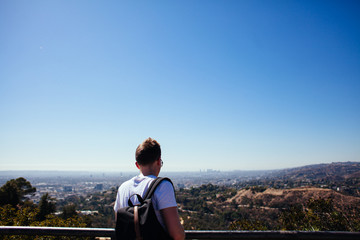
x=220, y=84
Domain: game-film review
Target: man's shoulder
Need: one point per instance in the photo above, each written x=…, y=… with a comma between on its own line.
x=165, y=195
x=166, y=180
x=128, y=183
x=165, y=185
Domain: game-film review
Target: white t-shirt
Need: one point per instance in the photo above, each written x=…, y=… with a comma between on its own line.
x=164, y=196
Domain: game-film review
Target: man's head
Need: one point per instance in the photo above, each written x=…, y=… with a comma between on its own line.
x=148, y=152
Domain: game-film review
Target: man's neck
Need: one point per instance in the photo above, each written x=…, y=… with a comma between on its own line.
x=147, y=172
x=149, y=169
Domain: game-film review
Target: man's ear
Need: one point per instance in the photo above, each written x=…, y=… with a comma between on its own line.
x=137, y=165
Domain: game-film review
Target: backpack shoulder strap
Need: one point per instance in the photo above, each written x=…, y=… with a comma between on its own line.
x=154, y=185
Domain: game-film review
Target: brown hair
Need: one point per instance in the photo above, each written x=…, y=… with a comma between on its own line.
x=148, y=152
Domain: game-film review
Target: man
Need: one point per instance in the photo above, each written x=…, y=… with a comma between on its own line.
x=148, y=161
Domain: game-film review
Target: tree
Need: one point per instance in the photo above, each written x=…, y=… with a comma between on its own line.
x=27, y=216
x=14, y=192
x=318, y=215
x=248, y=224
x=14, y=211
x=47, y=206
x=69, y=211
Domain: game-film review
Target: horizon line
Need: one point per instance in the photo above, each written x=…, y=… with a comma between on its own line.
x=169, y=171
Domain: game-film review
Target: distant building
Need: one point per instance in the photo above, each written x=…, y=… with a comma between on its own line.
x=88, y=212
x=98, y=187
x=67, y=188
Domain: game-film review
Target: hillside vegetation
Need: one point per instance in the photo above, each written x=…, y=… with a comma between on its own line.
x=283, y=198
x=259, y=208
x=340, y=176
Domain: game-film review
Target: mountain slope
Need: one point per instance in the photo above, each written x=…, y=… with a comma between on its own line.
x=281, y=198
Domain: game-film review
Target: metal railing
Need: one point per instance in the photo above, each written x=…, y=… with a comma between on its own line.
x=110, y=233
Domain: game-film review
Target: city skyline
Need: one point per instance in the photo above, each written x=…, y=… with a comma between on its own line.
x=235, y=85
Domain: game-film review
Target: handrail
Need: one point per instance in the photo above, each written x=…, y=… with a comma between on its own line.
x=241, y=235
x=57, y=231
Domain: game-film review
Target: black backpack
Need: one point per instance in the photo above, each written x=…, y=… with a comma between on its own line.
x=140, y=222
